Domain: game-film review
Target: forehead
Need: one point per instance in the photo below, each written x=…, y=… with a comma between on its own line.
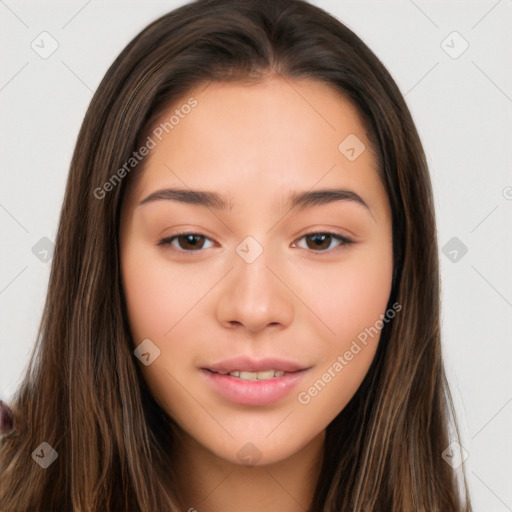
x=276, y=134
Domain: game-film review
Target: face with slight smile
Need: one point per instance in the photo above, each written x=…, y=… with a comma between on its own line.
x=282, y=286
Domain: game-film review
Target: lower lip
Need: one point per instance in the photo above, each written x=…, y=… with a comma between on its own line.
x=251, y=392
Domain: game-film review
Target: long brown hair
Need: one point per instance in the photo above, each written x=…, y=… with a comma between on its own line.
x=83, y=392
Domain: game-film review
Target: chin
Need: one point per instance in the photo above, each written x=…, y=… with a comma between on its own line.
x=258, y=452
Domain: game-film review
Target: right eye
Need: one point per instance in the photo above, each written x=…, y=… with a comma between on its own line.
x=185, y=242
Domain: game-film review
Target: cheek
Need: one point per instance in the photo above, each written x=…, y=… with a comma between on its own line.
x=157, y=296
x=350, y=296
x=158, y=299
x=351, y=303
x=363, y=293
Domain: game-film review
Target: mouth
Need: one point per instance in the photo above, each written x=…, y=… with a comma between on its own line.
x=248, y=368
x=251, y=387
x=245, y=380
x=252, y=376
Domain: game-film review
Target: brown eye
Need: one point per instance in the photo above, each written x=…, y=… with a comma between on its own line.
x=190, y=241
x=321, y=242
x=186, y=242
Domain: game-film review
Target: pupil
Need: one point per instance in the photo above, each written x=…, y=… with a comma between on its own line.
x=190, y=240
x=322, y=238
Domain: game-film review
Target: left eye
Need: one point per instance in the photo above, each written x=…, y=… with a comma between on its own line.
x=320, y=241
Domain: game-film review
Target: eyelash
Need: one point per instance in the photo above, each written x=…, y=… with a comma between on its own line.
x=343, y=239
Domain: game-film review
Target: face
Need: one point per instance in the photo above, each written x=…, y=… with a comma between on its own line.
x=266, y=270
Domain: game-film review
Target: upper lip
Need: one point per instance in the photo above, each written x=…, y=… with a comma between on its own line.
x=248, y=364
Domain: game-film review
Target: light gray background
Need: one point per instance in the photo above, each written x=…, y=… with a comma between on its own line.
x=463, y=110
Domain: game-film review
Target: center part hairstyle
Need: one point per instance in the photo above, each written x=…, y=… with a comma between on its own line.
x=83, y=392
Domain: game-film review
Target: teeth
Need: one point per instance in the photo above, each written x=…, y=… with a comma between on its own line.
x=264, y=375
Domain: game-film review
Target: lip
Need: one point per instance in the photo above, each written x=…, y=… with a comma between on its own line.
x=246, y=392
x=248, y=364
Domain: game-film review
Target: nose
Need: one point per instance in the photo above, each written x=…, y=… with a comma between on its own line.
x=255, y=296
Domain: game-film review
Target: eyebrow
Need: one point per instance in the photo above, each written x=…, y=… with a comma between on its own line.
x=300, y=200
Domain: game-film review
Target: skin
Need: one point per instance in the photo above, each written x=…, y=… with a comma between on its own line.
x=301, y=301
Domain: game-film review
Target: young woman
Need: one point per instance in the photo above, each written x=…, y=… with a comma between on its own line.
x=243, y=308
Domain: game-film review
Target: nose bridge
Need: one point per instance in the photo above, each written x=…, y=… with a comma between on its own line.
x=252, y=294
x=252, y=276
